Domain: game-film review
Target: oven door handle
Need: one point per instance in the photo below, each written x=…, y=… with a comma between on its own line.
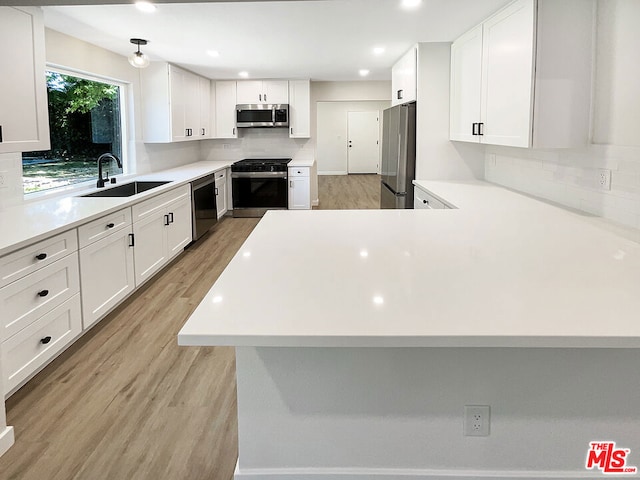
x=258, y=174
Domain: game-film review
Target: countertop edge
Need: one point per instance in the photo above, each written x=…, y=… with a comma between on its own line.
x=124, y=202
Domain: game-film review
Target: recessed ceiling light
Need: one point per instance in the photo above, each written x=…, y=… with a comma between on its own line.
x=243, y=74
x=411, y=3
x=363, y=72
x=213, y=53
x=378, y=50
x=146, y=7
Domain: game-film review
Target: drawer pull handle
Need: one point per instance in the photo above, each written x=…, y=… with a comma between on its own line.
x=45, y=340
x=111, y=225
x=425, y=201
x=41, y=256
x=43, y=293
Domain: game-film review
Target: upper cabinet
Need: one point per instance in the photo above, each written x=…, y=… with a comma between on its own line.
x=175, y=104
x=523, y=77
x=262, y=91
x=225, y=109
x=404, y=78
x=24, y=117
x=299, y=109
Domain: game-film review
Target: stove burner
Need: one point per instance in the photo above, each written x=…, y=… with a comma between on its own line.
x=261, y=165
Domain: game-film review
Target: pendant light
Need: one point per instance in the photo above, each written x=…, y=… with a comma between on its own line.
x=138, y=59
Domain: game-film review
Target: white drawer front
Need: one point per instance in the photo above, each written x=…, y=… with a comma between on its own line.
x=299, y=172
x=424, y=200
x=149, y=207
x=24, y=301
x=31, y=348
x=29, y=259
x=100, y=228
x=221, y=174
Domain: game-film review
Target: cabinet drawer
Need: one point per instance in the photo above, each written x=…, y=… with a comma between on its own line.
x=100, y=228
x=299, y=172
x=220, y=174
x=424, y=200
x=29, y=259
x=31, y=348
x=153, y=205
x=25, y=300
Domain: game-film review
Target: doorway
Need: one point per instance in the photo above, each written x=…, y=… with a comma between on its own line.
x=363, y=142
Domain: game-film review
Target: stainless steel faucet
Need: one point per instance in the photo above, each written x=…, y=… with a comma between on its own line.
x=107, y=156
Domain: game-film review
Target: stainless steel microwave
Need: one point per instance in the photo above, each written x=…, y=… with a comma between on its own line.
x=266, y=115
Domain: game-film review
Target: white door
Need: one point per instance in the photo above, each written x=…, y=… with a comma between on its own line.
x=249, y=92
x=507, y=75
x=275, y=91
x=106, y=268
x=226, y=110
x=179, y=233
x=150, y=251
x=466, y=75
x=363, y=147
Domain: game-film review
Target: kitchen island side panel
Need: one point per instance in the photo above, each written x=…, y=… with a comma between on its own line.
x=343, y=413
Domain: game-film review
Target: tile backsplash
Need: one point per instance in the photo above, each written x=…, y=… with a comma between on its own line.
x=258, y=142
x=571, y=177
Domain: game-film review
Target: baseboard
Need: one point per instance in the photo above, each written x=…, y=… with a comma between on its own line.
x=315, y=203
x=395, y=474
x=6, y=439
x=338, y=172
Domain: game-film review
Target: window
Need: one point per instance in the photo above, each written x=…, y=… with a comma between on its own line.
x=85, y=120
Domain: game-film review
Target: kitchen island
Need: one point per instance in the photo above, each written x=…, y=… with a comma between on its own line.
x=361, y=336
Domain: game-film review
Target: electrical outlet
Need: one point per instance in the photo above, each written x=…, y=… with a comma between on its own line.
x=476, y=420
x=603, y=179
x=3, y=179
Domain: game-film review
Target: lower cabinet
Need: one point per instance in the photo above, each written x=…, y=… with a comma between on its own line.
x=161, y=230
x=299, y=188
x=106, y=270
x=425, y=201
x=30, y=349
x=221, y=193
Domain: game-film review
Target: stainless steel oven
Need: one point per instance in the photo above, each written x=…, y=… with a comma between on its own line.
x=259, y=185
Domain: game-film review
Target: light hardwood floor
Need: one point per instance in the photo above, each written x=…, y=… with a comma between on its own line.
x=125, y=402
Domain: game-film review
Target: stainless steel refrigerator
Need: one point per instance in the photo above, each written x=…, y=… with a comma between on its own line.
x=398, y=156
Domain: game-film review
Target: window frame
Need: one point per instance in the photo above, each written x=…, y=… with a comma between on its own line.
x=124, y=108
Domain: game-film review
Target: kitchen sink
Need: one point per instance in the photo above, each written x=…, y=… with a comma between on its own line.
x=126, y=189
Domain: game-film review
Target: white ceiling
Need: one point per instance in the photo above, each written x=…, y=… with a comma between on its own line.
x=317, y=39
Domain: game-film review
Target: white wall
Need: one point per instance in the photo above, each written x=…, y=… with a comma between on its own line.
x=332, y=131
x=65, y=51
x=437, y=158
x=568, y=176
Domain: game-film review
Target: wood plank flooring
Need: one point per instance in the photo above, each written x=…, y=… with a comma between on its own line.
x=125, y=402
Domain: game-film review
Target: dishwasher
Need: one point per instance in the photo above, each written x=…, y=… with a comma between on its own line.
x=203, y=205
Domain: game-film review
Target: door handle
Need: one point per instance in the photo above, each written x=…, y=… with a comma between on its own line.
x=132, y=240
x=170, y=217
x=166, y=220
x=291, y=183
x=400, y=94
x=481, y=128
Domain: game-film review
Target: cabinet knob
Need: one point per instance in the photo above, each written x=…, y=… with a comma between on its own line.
x=43, y=293
x=45, y=340
x=111, y=225
x=41, y=256
x=424, y=201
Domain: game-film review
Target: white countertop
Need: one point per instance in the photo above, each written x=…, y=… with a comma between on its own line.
x=34, y=220
x=507, y=272
x=301, y=162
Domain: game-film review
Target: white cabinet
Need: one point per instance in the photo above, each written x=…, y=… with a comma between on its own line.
x=221, y=192
x=263, y=91
x=106, y=264
x=225, y=109
x=299, y=188
x=24, y=114
x=404, y=78
x=523, y=77
x=204, y=102
x=174, y=102
x=40, y=305
x=299, y=109
x=161, y=230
